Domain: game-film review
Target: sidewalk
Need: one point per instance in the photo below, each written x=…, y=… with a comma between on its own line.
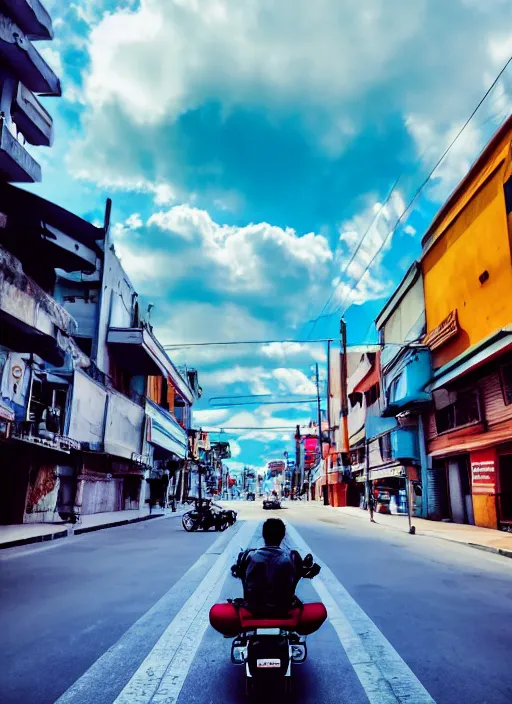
x=495, y=541
x=26, y=533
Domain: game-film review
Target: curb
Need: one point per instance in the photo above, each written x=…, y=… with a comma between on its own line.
x=34, y=539
x=70, y=531
x=114, y=524
x=486, y=548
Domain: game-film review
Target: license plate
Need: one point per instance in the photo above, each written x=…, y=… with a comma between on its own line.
x=268, y=663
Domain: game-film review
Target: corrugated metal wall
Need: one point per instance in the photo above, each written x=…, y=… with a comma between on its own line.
x=437, y=493
x=101, y=496
x=494, y=404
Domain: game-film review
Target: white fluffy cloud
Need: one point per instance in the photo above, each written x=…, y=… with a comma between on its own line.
x=283, y=381
x=284, y=351
x=256, y=257
x=363, y=241
x=198, y=322
x=169, y=55
x=157, y=59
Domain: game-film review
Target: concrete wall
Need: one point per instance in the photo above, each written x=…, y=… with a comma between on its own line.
x=116, y=305
x=123, y=430
x=87, y=410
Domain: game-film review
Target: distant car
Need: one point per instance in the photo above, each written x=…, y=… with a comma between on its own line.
x=271, y=504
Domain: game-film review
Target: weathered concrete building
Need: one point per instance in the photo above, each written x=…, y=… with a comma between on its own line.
x=37, y=349
x=23, y=75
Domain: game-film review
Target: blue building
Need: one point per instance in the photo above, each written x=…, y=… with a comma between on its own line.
x=394, y=429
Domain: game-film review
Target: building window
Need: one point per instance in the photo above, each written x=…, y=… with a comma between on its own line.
x=508, y=195
x=464, y=411
x=385, y=447
x=372, y=395
x=355, y=399
x=392, y=390
x=506, y=381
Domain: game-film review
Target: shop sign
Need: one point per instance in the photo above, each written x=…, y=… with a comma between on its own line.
x=387, y=472
x=483, y=471
x=277, y=466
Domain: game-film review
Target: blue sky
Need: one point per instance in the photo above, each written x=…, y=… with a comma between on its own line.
x=248, y=146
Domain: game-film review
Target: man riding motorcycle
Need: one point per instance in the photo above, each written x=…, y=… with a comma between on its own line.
x=270, y=576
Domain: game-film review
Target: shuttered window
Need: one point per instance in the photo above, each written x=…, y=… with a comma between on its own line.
x=506, y=380
x=464, y=411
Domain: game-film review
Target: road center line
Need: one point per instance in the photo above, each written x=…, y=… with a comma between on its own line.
x=161, y=676
x=384, y=675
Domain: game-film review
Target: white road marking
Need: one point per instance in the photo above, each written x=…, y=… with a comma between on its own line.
x=161, y=676
x=384, y=675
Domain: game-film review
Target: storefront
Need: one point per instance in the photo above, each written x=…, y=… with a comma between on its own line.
x=389, y=486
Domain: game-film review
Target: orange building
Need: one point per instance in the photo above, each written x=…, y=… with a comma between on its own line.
x=467, y=274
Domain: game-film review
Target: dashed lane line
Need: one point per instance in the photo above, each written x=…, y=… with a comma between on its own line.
x=161, y=676
x=384, y=675
x=108, y=675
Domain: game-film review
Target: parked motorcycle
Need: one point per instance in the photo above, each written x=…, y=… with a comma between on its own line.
x=272, y=504
x=231, y=516
x=206, y=515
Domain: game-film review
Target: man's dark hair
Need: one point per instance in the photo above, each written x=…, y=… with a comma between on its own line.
x=273, y=531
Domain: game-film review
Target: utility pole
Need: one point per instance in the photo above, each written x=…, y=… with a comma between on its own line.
x=297, y=463
x=319, y=420
x=326, y=461
x=344, y=386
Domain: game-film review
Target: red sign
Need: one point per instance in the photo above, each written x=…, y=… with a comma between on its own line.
x=483, y=471
x=278, y=466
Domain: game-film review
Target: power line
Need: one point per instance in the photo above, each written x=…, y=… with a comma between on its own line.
x=418, y=191
x=262, y=403
x=241, y=342
x=224, y=428
x=354, y=253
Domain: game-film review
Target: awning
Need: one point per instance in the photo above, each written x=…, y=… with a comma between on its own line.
x=356, y=438
x=20, y=337
x=138, y=351
x=163, y=430
x=372, y=378
x=476, y=356
x=446, y=445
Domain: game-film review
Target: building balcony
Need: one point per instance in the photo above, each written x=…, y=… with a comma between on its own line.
x=31, y=17
x=31, y=320
x=164, y=431
x=31, y=118
x=399, y=445
x=24, y=61
x=405, y=380
x=45, y=236
x=16, y=164
x=138, y=351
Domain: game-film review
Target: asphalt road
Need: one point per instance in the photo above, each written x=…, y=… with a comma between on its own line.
x=120, y=616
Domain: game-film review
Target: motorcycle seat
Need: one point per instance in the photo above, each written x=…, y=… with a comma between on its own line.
x=291, y=621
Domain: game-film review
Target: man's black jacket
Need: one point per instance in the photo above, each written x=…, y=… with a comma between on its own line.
x=270, y=576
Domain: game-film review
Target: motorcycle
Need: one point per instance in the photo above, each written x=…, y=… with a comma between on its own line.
x=272, y=504
x=268, y=647
x=207, y=515
x=231, y=516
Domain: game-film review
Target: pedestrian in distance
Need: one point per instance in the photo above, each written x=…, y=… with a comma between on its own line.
x=372, y=505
